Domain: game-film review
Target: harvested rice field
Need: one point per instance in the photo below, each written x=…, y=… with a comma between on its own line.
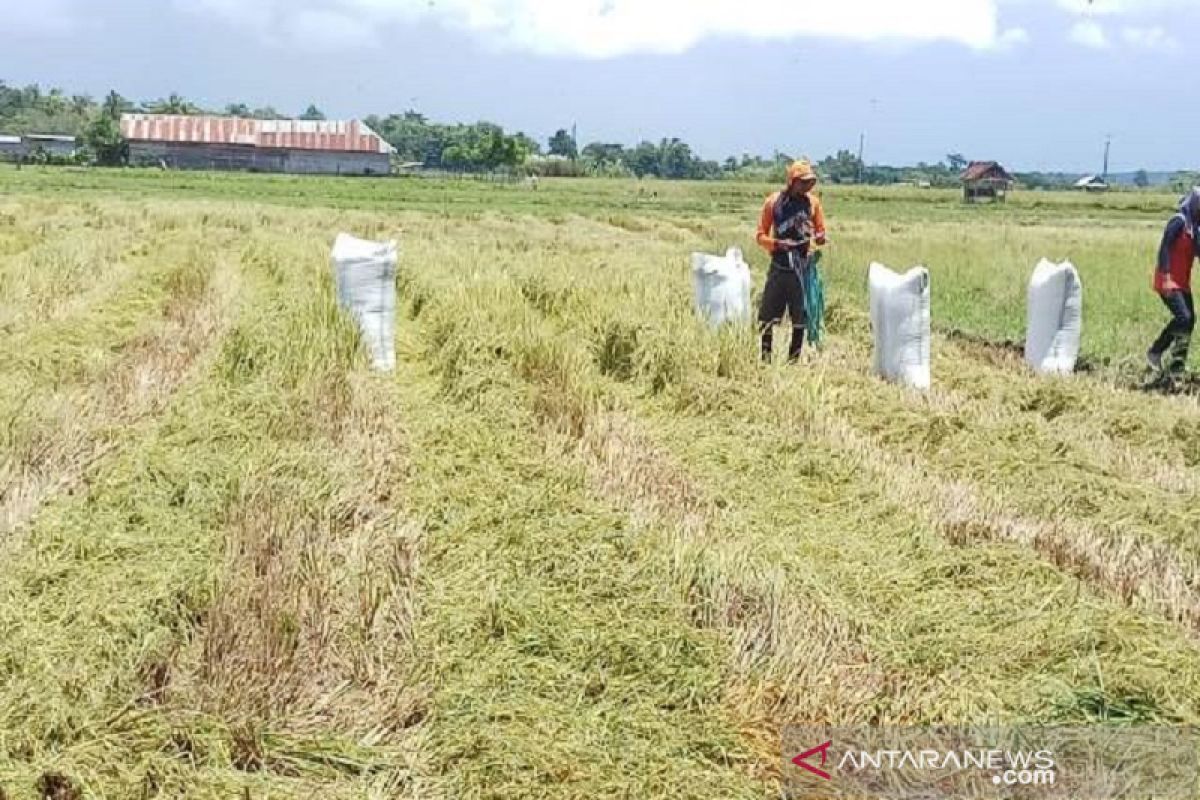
x=576, y=545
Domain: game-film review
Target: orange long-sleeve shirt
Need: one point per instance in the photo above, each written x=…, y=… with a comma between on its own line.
x=766, y=222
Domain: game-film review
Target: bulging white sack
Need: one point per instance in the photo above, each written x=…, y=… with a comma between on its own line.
x=1055, y=325
x=365, y=273
x=722, y=287
x=900, y=322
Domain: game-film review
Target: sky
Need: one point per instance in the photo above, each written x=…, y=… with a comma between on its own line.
x=1036, y=84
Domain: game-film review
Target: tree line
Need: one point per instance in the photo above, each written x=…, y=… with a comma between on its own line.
x=96, y=123
x=30, y=109
x=480, y=146
x=475, y=147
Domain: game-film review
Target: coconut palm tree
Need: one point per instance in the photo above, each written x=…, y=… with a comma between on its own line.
x=174, y=104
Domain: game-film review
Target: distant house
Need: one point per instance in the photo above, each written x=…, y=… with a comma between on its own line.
x=985, y=182
x=51, y=144
x=21, y=147
x=231, y=143
x=11, y=147
x=1092, y=183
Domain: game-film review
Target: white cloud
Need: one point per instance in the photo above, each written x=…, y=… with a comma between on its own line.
x=1089, y=34
x=1151, y=38
x=1144, y=32
x=1126, y=7
x=607, y=28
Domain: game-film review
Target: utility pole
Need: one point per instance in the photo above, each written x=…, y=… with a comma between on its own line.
x=1107, y=149
x=575, y=138
x=862, y=143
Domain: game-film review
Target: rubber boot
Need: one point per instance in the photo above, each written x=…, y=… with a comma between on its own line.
x=1179, y=355
x=796, y=345
x=768, y=342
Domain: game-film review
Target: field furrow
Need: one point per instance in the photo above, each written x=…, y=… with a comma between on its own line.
x=74, y=425
x=66, y=262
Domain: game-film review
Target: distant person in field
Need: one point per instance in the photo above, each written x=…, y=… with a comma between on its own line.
x=792, y=222
x=1173, y=282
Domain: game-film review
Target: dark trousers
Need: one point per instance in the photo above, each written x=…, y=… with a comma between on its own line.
x=1177, y=336
x=784, y=292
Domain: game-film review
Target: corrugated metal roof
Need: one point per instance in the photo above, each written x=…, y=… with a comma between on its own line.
x=985, y=170
x=294, y=134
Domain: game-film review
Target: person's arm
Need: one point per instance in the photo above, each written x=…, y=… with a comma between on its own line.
x=1170, y=236
x=1174, y=230
x=818, y=221
x=766, y=222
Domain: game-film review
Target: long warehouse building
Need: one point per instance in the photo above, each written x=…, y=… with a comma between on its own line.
x=259, y=145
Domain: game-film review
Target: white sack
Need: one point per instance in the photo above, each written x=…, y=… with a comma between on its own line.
x=366, y=286
x=1055, y=325
x=722, y=287
x=900, y=322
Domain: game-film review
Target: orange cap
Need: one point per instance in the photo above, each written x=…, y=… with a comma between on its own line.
x=800, y=171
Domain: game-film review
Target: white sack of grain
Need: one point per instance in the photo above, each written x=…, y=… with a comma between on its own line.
x=722, y=287
x=365, y=273
x=900, y=323
x=1055, y=326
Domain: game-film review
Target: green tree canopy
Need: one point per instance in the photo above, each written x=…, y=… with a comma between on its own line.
x=28, y=109
x=843, y=167
x=115, y=105
x=104, y=140
x=562, y=143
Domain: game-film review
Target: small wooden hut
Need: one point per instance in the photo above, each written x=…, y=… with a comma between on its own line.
x=985, y=182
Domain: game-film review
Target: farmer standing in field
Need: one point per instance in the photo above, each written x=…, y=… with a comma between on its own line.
x=792, y=221
x=1173, y=282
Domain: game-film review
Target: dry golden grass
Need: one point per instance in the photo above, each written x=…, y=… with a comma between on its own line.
x=75, y=426
x=789, y=658
x=577, y=545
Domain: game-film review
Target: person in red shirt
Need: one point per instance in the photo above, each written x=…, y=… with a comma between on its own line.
x=792, y=221
x=1173, y=282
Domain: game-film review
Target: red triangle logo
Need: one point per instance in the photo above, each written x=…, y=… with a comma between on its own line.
x=802, y=760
